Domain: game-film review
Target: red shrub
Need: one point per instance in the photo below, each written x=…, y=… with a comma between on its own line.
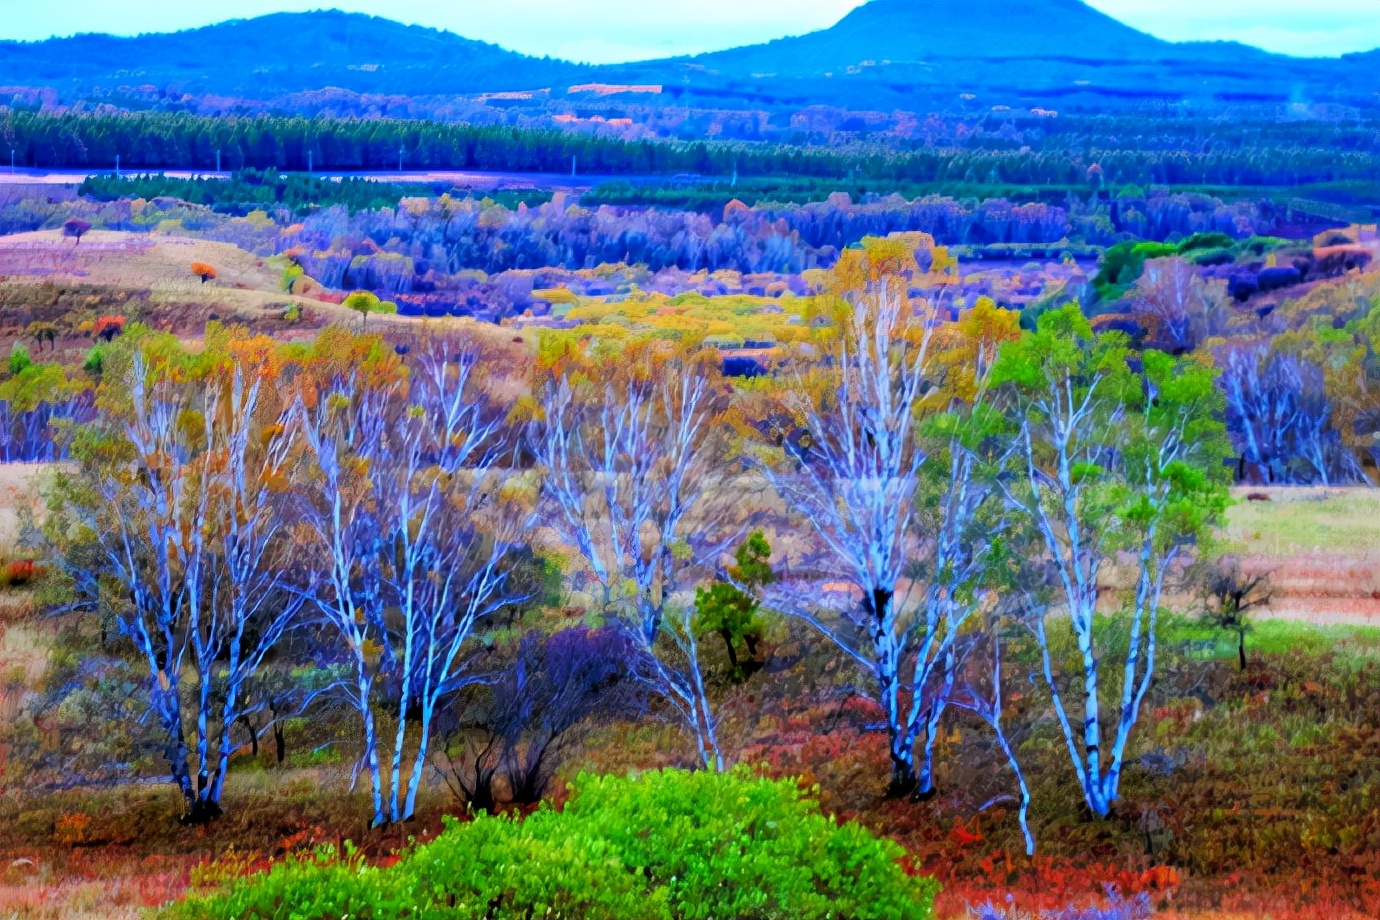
x=108, y=328
x=19, y=572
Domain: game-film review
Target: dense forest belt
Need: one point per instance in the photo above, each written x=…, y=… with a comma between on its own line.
x=1315, y=152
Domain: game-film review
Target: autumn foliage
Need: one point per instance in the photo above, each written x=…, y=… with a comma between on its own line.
x=108, y=328
x=76, y=228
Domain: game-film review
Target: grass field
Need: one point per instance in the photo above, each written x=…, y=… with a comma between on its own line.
x=154, y=269
x=1320, y=546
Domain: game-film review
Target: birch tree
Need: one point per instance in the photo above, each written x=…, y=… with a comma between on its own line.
x=250, y=606
x=989, y=707
x=913, y=560
x=139, y=501
x=174, y=525
x=344, y=428
x=1116, y=461
x=628, y=467
x=451, y=534
x=1279, y=414
x=416, y=529
x=1186, y=308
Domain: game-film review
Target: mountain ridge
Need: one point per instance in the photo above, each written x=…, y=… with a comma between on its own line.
x=885, y=53
x=263, y=54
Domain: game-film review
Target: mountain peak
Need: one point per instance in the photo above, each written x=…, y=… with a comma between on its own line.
x=915, y=31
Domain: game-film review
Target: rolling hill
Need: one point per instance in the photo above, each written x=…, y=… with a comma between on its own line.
x=279, y=54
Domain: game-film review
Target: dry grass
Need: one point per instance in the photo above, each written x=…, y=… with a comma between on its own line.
x=19, y=496
x=1294, y=521
x=116, y=898
x=1321, y=547
x=162, y=264
x=247, y=286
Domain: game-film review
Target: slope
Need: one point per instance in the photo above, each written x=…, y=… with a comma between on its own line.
x=278, y=54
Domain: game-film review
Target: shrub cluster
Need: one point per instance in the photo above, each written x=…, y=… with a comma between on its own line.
x=665, y=845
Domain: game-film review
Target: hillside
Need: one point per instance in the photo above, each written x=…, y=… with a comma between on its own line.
x=916, y=31
x=278, y=54
x=900, y=52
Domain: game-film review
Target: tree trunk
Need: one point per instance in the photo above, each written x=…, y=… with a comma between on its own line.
x=253, y=736
x=924, y=786
x=202, y=811
x=877, y=604
x=371, y=752
x=904, y=782
x=414, y=780
x=1241, y=648
x=728, y=644
x=168, y=706
x=279, y=741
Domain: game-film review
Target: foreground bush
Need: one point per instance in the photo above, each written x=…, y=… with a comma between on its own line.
x=665, y=846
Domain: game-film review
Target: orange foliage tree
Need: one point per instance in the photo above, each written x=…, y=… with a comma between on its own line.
x=108, y=328
x=204, y=271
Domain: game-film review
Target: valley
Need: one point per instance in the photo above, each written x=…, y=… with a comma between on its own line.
x=924, y=468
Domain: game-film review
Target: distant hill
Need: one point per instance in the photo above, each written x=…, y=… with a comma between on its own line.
x=280, y=54
x=919, y=31
x=891, y=51
x=886, y=54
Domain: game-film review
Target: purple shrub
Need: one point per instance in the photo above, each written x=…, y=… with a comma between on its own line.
x=519, y=724
x=1138, y=907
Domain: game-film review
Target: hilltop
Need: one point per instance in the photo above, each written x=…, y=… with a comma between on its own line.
x=917, y=31
x=278, y=54
x=888, y=52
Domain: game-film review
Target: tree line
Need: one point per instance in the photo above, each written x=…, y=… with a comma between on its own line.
x=164, y=140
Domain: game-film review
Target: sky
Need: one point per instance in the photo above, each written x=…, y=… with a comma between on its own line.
x=606, y=31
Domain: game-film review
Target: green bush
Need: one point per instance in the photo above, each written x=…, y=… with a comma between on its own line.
x=1123, y=263
x=94, y=363
x=727, y=610
x=668, y=845
x=329, y=884
x=19, y=359
x=1200, y=241
x=1218, y=256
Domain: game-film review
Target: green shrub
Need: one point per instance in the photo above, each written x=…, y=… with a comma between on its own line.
x=1216, y=256
x=506, y=869
x=1123, y=263
x=738, y=846
x=668, y=845
x=1211, y=240
x=19, y=359
x=95, y=361
x=724, y=608
x=328, y=884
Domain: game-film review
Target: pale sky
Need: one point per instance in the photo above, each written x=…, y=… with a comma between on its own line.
x=604, y=31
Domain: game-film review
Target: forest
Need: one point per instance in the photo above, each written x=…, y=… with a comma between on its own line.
x=1086, y=151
